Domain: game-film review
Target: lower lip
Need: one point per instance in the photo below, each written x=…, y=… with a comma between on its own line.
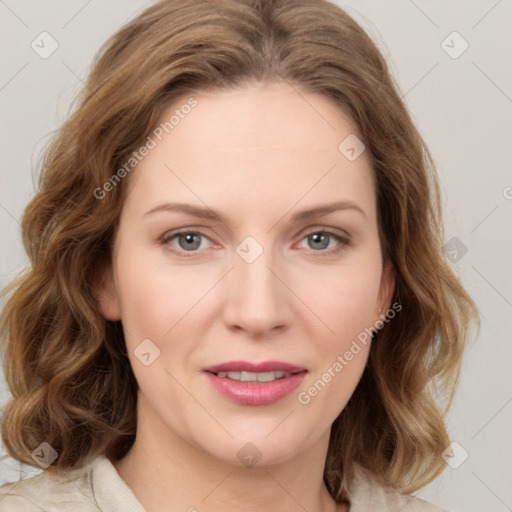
x=256, y=393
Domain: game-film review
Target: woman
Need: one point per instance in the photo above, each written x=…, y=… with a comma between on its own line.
x=238, y=297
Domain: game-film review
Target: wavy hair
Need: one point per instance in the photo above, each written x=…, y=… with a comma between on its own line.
x=67, y=367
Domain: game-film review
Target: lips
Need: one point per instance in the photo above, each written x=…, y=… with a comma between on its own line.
x=236, y=381
x=245, y=366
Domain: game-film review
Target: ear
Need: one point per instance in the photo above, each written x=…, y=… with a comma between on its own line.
x=387, y=288
x=105, y=292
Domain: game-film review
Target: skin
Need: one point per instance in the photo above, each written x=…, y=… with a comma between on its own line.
x=257, y=155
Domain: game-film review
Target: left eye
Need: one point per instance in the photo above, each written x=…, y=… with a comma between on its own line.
x=320, y=240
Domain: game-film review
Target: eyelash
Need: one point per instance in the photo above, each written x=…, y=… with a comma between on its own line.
x=167, y=237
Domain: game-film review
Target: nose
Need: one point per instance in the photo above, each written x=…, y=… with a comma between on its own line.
x=258, y=299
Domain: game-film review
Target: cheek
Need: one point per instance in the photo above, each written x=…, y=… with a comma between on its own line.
x=153, y=297
x=345, y=300
x=346, y=307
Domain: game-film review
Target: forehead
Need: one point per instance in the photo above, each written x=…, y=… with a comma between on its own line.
x=271, y=115
x=256, y=145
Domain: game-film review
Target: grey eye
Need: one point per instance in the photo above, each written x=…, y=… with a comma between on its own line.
x=189, y=241
x=319, y=240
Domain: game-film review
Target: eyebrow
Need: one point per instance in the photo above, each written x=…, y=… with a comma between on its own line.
x=207, y=213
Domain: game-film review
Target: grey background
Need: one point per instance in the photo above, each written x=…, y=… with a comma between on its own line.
x=462, y=107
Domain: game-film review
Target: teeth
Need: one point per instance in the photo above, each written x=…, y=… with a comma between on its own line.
x=254, y=377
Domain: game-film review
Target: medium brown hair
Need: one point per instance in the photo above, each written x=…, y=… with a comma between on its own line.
x=67, y=367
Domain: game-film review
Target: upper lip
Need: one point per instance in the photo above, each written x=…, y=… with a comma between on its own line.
x=245, y=366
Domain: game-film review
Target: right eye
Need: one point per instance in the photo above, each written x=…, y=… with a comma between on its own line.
x=184, y=241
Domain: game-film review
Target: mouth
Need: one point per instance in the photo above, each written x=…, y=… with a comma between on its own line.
x=255, y=384
x=254, y=377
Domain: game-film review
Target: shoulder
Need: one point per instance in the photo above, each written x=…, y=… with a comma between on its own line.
x=59, y=490
x=366, y=494
x=94, y=487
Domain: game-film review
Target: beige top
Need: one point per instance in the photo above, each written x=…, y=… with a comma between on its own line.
x=97, y=487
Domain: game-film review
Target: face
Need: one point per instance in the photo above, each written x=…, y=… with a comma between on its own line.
x=259, y=284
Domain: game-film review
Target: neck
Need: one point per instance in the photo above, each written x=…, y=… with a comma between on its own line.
x=166, y=473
